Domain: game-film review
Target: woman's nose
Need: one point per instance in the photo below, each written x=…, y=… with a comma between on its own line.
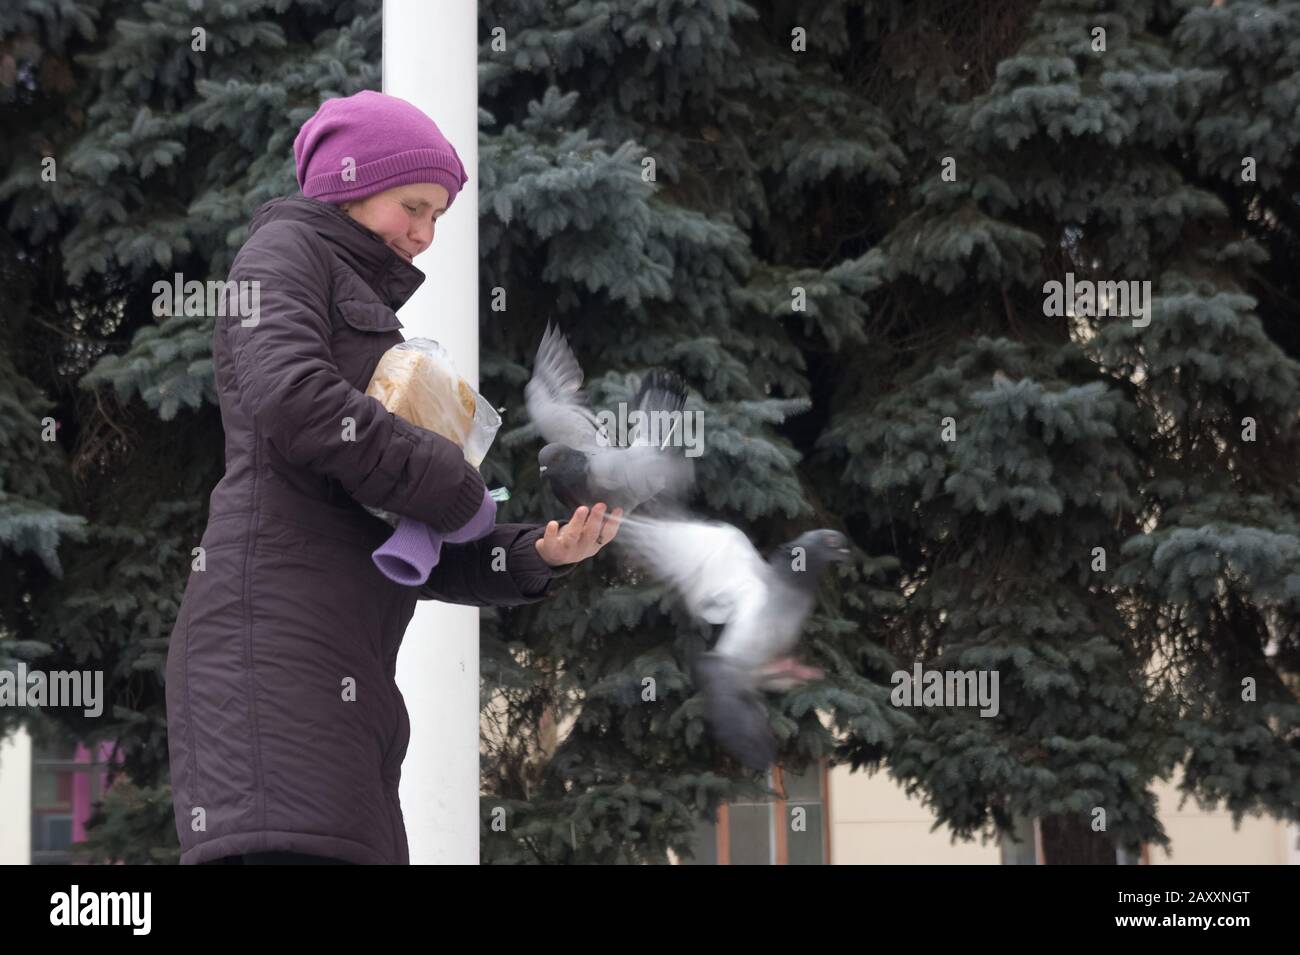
x=423, y=236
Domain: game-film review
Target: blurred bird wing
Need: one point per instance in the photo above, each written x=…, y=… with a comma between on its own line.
x=748, y=636
x=656, y=436
x=713, y=566
x=555, y=403
x=736, y=715
x=641, y=471
x=661, y=400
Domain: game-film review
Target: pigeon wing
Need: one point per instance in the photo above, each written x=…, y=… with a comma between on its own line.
x=712, y=565
x=640, y=472
x=749, y=637
x=735, y=713
x=555, y=403
x=661, y=399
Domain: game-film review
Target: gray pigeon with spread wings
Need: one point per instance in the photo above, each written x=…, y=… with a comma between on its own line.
x=580, y=461
x=762, y=606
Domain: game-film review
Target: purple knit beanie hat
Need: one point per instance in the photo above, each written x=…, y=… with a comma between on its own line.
x=355, y=146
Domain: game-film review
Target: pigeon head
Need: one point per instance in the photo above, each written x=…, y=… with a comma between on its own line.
x=818, y=550
x=555, y=454
x=564, y=469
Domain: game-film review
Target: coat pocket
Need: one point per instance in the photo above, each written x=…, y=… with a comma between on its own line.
x=368, y=316
x=363, y=331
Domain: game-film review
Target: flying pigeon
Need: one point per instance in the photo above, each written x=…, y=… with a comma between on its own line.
x=761, y=604
x=581, y=462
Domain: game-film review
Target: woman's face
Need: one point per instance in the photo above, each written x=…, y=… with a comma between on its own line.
x=403, y=216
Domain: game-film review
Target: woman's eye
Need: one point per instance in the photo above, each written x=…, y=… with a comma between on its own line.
x=408, y=208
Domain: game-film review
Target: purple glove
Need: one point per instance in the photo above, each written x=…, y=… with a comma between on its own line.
x=409, y=556
x=484, y=519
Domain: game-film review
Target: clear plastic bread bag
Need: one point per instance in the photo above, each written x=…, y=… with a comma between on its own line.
x=417, y=380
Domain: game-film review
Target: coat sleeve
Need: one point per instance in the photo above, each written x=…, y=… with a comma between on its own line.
x=502, y=569
x=288, y=383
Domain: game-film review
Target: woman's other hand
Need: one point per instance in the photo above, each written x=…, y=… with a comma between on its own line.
x=587, y=532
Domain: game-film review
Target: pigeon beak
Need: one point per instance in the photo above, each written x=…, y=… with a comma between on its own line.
x=844, y=553
x=541, y=469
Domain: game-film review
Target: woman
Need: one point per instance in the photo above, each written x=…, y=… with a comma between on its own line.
x=286, y=728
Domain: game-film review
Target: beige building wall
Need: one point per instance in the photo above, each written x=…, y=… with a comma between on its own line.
x=874, y=822
x=1198, y=837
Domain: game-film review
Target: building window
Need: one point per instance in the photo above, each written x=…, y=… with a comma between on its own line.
x=1023, y=845
x=66, y=783
x=1020, y=845
x=790, y=828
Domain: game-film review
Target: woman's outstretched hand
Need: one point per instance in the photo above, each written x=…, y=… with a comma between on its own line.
x=587, y=532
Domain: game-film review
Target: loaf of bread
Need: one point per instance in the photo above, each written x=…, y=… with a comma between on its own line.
x=425, y=391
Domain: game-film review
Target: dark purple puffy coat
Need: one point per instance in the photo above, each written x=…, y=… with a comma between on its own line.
x=265, y=752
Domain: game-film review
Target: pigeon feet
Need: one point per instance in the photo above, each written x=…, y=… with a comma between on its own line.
x=788, y=671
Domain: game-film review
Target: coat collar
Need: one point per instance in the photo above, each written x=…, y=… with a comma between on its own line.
x=389, y=275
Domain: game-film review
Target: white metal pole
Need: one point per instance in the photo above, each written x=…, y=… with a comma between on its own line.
x=430, y=60
x=16, y=798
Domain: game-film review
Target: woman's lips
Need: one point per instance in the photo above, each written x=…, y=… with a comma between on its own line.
x=404, y=254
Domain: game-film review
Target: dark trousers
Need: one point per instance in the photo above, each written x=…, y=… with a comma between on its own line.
x=276, y=858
